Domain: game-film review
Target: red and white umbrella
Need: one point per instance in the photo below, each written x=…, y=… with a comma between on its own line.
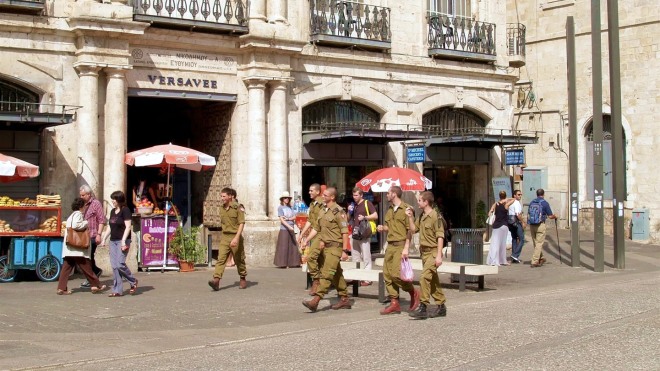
x=13, y=169
x=170, y=155
x=381, y=180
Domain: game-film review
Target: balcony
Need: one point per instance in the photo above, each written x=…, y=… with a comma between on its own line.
x=452, y=37
x=515, y=34
x=214, y=16
x=22, y=6
x=347, y=23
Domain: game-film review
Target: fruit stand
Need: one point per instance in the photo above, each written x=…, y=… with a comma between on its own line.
x=35, y=230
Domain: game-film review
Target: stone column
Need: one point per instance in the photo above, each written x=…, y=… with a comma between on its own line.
x=277, y=11
x=115, y=133
x=87, y=130
x=278, y=144
x=258, y=10
x=252, y=162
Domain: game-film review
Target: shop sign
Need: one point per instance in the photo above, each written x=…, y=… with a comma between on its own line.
x=416, y=154
x=501, y=184
x=514, y=157
x=182, y=60
x=182, y=82
x=152, y=241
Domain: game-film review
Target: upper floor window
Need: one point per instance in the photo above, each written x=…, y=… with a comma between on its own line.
x=457, y=8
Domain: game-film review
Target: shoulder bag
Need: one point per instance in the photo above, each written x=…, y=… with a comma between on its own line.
x=371, y=222
x=77, y=239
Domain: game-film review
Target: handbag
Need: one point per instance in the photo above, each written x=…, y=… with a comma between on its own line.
x=491, y=219
x=362, y=231
x=371, y=222
x=77, y=239
x=406, y=270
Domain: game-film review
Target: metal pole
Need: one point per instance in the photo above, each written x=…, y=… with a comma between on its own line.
x=618, y=147
x=209, y=245
x=572, y=141
x=597, y=121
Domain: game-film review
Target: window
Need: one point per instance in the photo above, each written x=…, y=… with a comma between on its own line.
x=332, y=114
x=607, y=160
x=458, y=8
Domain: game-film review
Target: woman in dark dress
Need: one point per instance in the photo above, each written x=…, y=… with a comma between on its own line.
x=286, y=252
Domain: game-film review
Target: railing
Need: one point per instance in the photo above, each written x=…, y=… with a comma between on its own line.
x=460, y=34
x=441, y=130
x=349, y=19
x=218, y=12
x=515, y=33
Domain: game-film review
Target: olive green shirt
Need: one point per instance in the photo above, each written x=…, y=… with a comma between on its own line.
x=315, y=209
x=430, y=229
x=397, y=223
x=232, y=217
x=332, y=224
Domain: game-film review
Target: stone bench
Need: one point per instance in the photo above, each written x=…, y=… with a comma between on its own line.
x=462, y=269
x=352, y=272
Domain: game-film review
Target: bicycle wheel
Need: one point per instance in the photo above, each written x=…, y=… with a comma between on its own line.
x=48, y=268
x=6, y=274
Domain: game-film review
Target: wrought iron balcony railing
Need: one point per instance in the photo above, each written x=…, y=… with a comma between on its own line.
x=515, y=33
x=206, y=15
x=350, y=23
x=460, y=38
x=22, y=6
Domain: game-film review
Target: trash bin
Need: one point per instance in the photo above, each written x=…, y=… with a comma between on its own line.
x=467, y=246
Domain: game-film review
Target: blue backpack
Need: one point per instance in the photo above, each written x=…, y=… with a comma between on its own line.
x=535, y=212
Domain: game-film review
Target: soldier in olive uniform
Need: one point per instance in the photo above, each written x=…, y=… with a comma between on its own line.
x=314, y=256
x=232, y=221
x=397, y=225
x=333, y=235
x=431, y=240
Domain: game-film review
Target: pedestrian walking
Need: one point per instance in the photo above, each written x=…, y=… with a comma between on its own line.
x=398, y=225
x=363, y=210
x=120, y=242
x=286, y=251
x=232, y=221
x=93, y=213
x=497, y=252
x=538, y=212
x=332, y=232
x=516, y=227
x=314, y=256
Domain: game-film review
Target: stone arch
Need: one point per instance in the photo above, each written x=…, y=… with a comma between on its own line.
x=446, y=98
x=325, y=112
x=17, y=96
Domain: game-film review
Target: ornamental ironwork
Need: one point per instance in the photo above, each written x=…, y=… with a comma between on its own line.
x=329, y=114
x=460, y=34
x=14, y=98
x=515, y=33
x=451, y=121
x=350, y=20
x=231, y=12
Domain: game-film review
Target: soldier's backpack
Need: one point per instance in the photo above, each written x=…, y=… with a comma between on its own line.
x=535, y=212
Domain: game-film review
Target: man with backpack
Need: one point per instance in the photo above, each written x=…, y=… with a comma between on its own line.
x=539, y=210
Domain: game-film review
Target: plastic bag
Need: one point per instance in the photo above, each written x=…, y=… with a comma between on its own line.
x=406, y=270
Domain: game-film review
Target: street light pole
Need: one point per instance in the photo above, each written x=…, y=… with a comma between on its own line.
x=597, y=122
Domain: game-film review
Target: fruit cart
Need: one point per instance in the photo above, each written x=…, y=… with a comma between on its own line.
x=36, y=240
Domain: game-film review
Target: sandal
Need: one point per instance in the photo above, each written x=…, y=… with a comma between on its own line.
x=96, y=290
x=115, y=295
x=133, y=288
x=64, y=292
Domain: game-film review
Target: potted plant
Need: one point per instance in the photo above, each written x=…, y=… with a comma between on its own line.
x=187, y=248
x=480, y=215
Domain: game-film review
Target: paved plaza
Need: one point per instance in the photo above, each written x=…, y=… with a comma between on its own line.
x=553, y=317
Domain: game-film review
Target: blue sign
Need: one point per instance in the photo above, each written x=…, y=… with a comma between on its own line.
x=416, y=154
x=514, y=157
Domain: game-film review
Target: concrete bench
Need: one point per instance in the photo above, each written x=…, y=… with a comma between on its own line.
x=462, y=269
x=352, y=272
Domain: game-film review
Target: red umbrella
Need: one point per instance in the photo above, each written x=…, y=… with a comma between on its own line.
x=381, y=180
x=170, y=155
x=13, y=169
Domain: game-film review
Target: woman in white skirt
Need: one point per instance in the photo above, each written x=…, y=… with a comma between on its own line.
x=497, y=253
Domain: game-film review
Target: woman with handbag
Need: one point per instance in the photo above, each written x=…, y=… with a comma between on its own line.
x=76, y=252
x=286, y=251
x=364, y=225
x=500, y=209
x=120, y=243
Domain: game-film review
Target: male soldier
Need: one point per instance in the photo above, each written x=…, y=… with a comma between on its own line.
x=232, y=221
x=314, y=256
x=397, y=225
x=332, y=230
x=431, y=240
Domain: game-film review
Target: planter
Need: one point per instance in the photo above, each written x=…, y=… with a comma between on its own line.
x=186, y=266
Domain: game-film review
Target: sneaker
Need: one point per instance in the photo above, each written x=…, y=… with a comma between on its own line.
x=515, y=260
x=440, y=311
x=85, y=284
x=420, y=312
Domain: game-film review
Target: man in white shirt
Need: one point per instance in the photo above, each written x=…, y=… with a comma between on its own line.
x=516, y=227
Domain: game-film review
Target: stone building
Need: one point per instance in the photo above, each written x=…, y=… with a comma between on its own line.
x=283, y=93
x=542, y=99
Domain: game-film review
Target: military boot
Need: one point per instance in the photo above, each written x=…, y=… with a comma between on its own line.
x=440, y=311
x=313, y=303
x=393, y=308
x=242, y=283
x=343, y=303
x=215, y=284
x=414, y=299
x=315, y=286
x=420, y=312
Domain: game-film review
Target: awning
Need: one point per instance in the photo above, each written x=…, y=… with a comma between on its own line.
x=504, y=138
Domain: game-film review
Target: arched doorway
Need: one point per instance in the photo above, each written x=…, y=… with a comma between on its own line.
x=607, y=159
